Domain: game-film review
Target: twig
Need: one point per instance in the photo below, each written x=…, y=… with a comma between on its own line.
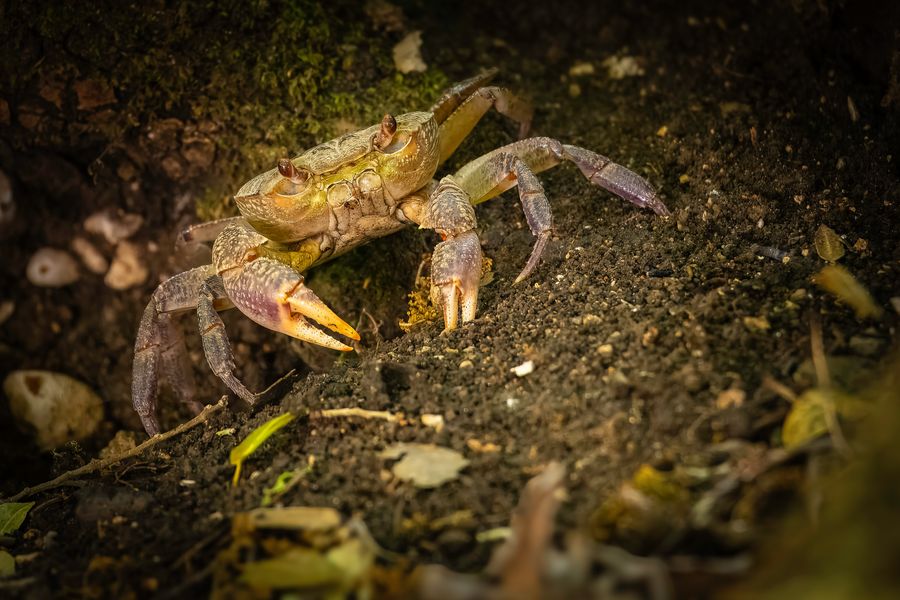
x=820, y=363
x=779, y=388
x=358, y=412
x=97, y=464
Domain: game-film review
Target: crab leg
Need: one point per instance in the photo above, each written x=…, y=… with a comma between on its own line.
x=208, y=231
x=158, y=341
x=517, y=163
x=461, y=107
x=542, y=153
x=456, y=262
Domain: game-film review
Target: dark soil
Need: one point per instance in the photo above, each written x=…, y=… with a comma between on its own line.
x=740, y=119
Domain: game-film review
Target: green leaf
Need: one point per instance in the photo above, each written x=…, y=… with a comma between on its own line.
x=280, y=486
x=7, y=564
x=253, y=441
x=12, y=514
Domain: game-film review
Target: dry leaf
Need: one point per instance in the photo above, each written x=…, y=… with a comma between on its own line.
x=841, y=283
x=425, y=465
x=829, y=245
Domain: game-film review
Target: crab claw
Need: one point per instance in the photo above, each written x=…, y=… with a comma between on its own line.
x=455, y=274
x=273, y=295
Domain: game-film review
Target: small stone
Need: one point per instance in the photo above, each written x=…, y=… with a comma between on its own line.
x=622, y=67
x=684, y=178
x=7, y=308
x=757, y=323
x=127, y=269
x=524, y=369
x=93, y=93
x=408, y=55
x=662, y=131
x=90, y=256
x=53, y=407
x=114, y=227
x=466, y=364
x=123, y=441
x=649, y=337
x=50, y=267
x=436, y=422
x=574, y=90
x=7, y=202
x=605, y=350
x=581, y=69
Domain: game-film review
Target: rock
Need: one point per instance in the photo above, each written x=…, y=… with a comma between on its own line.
x=7, y=203
x=526, y=368
x=7, y=308
x=122, y=442
x=407, y=54
x=53, y=407
x=50, y=267
x=127, y=269
x=114, y=227
x=93, y=93
x=622, y=67
x=90, y=256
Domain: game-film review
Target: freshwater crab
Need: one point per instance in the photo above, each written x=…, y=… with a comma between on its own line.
x=343, y=193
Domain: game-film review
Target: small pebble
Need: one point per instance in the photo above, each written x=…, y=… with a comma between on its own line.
x=127, y=269
x=581, y=69
x=524, y=369
x=7, y=308
x=50, y=267
x=407, y=54
x=113, y=227
x=90, y=256
x=7, y=203
x=52, y=407
x=466, y=364
x=605, y=350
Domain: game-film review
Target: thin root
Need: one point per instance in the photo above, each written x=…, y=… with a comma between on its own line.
x=360, y=412
x=97, y=465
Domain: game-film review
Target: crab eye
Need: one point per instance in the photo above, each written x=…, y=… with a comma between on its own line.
x=293, y=180
x=400, y=141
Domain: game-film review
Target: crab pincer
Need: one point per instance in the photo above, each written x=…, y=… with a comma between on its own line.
x=274, y=295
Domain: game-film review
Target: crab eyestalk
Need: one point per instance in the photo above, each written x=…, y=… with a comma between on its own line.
x=287, y=170
x=386, y=134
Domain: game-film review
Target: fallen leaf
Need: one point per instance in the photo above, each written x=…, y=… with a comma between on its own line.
x=280, y=485
x=808, y=420
x=12, y=514
x=253, y=441
x=297, y=568
x=828, y=244
x=425, y=465
x=7, y=564
x=840, y=282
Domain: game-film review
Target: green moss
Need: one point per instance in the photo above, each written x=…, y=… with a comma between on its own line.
x=270, y=77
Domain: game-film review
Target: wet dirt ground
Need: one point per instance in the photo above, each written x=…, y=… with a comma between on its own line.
x=756, y=125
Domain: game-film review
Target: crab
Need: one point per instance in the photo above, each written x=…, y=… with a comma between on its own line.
x=339, y=195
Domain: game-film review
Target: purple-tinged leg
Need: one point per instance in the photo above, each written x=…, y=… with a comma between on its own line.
x=154, y=338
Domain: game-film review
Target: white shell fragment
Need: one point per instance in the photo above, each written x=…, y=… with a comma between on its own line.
x=127, y=269
x=425, y=465
x=524, y=369
x=113, y=227
x=50, y=267
x=90, y=256
x=53, y=407
x=408, y=55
